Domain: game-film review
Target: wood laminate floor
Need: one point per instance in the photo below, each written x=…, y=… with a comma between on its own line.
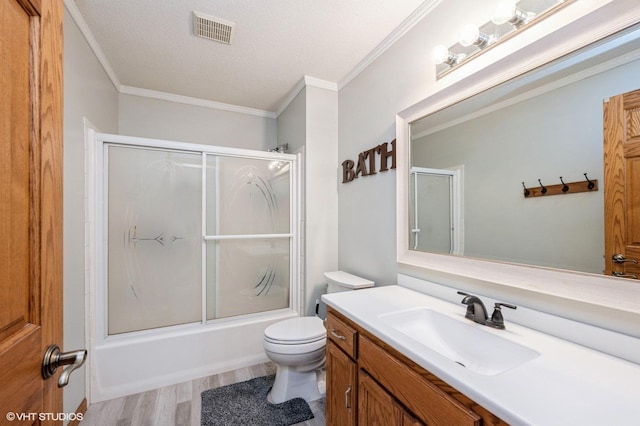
x=178, y=404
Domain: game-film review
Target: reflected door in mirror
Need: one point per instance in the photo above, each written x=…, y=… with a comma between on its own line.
x=435, y=213
x=622, y=185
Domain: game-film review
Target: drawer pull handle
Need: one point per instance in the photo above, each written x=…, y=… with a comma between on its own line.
x=347, y=405
x=336, y=335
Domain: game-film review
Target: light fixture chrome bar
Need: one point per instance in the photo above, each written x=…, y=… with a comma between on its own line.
x=509, y=18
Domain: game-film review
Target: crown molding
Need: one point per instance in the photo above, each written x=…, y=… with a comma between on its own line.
x=320, y=84
x=385, y=44
x=154, y=94
x=301, y=84
x=75, y=14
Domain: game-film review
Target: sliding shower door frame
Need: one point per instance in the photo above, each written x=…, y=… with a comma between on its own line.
x=97, y=288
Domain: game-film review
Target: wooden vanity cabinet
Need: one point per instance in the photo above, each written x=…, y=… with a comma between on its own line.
x=370, y=383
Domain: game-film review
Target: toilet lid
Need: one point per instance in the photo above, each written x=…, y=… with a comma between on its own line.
x=296, y=330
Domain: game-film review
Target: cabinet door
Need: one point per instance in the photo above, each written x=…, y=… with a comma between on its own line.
x=341, y=376
x=375, y=405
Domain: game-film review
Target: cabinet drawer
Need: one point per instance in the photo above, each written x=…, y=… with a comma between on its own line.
x=344, y=336
x=428, y=402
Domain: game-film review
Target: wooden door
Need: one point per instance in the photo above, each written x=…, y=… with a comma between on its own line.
x=30, y=205
x=622, y=184
x=341, y=376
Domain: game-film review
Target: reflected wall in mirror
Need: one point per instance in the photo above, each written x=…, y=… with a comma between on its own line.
x=543, y=125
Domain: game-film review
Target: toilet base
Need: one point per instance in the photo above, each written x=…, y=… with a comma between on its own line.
x=290, y=384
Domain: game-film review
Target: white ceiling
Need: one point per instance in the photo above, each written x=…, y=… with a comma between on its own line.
x=149, y=44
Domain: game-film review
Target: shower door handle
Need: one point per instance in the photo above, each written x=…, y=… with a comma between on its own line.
x=53, y=359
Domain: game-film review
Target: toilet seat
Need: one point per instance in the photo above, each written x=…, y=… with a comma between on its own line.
x=296, y=331
x=294, y=348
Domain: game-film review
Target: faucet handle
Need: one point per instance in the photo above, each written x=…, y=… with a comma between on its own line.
x=497, y=320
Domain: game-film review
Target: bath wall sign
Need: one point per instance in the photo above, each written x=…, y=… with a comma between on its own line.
x=366, y=164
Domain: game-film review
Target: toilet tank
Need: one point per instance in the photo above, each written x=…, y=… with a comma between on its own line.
x=342, y=281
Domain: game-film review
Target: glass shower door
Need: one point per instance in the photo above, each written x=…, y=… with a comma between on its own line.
x=154, y=252
x=193, y=236
x=248, y=234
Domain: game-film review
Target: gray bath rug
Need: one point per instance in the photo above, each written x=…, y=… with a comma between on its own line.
x=246, y=404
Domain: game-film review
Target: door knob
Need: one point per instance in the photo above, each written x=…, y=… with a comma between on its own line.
x=53, y=359
x=619, y=258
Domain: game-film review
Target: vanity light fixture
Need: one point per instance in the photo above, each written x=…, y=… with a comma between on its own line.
x=509, y=18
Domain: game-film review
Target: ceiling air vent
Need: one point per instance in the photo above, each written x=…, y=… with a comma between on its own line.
x=213, y=28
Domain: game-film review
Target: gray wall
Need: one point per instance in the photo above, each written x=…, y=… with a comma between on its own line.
x=310, y=124
x=292, y=123
x=160, y=119
x=321, y=210
x=368, y=105
x=88, y=93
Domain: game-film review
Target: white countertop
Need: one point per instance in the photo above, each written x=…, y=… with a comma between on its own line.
x=566, y=385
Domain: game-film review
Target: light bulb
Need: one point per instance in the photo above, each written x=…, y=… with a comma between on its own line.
x=440, y=54
x=470, y=35
x=508, y=12
x=504, y=12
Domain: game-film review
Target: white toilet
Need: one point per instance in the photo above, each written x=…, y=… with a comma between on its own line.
x=297, y=346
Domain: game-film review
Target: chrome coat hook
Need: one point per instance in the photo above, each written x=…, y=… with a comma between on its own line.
x=526, y=191
x=565, y=187
x=590, y=185
x=543, y=190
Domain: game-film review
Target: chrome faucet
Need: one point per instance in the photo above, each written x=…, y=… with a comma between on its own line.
x=475, y=308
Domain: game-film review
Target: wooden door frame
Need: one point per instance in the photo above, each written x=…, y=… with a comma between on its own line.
x=614, y=178
x=47, y=178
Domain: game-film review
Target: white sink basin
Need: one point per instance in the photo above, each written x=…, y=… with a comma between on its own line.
x=460, y=340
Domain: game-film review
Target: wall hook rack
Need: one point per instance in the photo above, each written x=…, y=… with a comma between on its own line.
x=587, y=185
